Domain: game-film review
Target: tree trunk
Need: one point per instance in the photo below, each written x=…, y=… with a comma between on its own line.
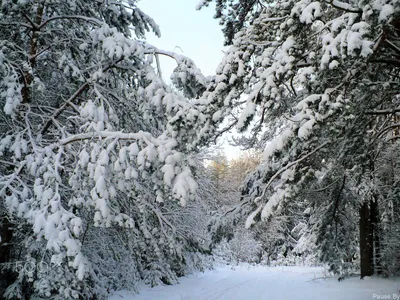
x=366, y=241
x=6, y=236
x=6, y=275
x=376, y=234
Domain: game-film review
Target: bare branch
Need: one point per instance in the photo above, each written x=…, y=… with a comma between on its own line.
x=324, y=188
x=17, y=24
x=87, y=19
x=62, y=107
x=387, y=128
x=390, y=111
x=38, y=53
x=34, y=26
x=221, y=132
x=393, y=46
x=72, y=98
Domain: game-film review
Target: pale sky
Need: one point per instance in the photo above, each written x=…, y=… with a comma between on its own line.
x=185, y=30
x=190, y=32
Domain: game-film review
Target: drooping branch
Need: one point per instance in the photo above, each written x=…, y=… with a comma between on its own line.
x=82, y=18
x=280, y=171
x=178, y=58
x=289, y=165
x=62, y=107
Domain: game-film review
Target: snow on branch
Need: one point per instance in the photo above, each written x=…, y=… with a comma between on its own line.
x=267, y=210
x=344, y=6
x=102, y=135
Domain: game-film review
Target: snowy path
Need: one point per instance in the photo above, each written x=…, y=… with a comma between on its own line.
x=248, y=283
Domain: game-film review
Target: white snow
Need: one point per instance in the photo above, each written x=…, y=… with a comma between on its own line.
x=247, y=113
x=261, y=282
x=306, y=128
x=250, y=219
x=312, y=11
x=386, y=12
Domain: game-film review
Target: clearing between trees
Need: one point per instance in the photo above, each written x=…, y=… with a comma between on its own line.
x=261, y=282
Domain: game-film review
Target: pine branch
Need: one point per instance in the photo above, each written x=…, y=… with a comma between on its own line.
x=70, y=100
x=82, y=18
x=344, y=7
x=289, y=165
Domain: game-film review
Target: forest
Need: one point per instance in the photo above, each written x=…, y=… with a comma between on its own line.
x=110, y=175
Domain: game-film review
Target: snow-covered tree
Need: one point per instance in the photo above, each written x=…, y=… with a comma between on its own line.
x=387, y=191
x=316, y=84
x=229, y=239
x=91, y=140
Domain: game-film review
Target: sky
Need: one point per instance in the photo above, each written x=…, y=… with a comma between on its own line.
x=190, y=32
x=187, y=31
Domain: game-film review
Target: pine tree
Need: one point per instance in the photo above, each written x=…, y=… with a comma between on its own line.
x=312, y=82
x=91, y=140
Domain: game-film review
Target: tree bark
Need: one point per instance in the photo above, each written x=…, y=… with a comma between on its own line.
x=33, y=49
x=6, y=275
x=376, y=233
x=366, y=240
x=6, y=236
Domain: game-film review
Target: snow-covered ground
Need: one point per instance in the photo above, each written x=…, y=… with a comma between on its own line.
x=258, y=282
